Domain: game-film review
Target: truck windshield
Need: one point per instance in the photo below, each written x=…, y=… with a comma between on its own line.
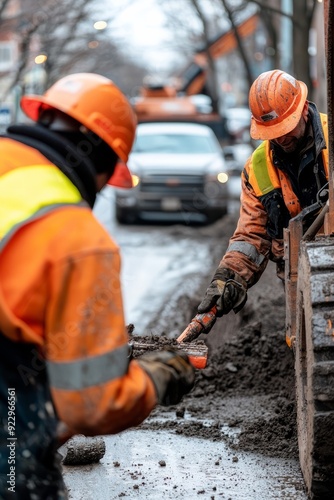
x=175, y=144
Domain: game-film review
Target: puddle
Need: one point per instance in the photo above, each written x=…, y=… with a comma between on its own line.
x=154, y=465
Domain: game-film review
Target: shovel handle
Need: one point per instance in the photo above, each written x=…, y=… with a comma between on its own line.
x=201, y=323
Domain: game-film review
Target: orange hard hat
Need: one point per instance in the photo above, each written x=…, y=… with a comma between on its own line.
x=95, y=102
x=276, y=100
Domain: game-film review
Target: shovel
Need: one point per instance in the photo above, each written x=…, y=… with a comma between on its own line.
x=197, y=351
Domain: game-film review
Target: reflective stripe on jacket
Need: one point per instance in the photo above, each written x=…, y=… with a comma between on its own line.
x=60, y=290
x=251, y=246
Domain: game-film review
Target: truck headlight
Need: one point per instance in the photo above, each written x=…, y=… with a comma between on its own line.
x=221, y=177
x=135, y=180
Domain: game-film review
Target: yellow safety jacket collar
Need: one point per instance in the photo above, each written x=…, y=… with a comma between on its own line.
x=27, y=193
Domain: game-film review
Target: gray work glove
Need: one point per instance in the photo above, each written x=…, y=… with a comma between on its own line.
x=171, y=372
x=226, y=291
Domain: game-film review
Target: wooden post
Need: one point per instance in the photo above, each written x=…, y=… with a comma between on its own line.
x=292, y=238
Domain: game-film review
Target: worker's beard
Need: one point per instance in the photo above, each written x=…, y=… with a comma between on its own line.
x=291, y=144
x=296, y=141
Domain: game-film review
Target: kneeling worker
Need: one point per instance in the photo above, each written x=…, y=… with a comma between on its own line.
x=63, y=342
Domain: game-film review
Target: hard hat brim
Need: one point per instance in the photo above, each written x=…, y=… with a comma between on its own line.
x=32, y=105
x=269, y=130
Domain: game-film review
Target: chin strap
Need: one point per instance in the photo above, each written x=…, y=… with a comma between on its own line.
x=63, y=153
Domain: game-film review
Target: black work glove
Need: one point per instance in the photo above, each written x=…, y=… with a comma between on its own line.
x=227, y=291
x=171, y=372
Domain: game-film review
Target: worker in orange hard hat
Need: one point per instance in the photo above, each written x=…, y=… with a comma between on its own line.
x=63, y=342
x=286, y=173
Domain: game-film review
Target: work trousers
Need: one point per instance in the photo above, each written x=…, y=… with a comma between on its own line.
x=30, y=467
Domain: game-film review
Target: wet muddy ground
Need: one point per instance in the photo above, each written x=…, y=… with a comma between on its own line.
x=248, y=358
x=234, y=436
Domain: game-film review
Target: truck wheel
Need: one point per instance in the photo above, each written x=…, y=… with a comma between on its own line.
x=124, y=216
x=314, y=366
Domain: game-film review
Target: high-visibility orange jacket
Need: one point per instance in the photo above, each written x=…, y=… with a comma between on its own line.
x=252, y=245
x=60, y=291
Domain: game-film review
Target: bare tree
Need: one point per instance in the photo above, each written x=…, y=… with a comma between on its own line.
x=240, y=43
x=301, y=18
x=63, y=31
x=212, y=73
x=271, y=15
x=3, y=6
x=303, y=12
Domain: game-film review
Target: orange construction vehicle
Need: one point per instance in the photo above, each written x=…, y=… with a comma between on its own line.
x=186, y=100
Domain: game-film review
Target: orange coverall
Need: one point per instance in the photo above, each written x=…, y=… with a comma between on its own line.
x=60, y=291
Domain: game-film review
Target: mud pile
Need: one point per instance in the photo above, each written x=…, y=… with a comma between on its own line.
x=249, y=384
x=252, y=362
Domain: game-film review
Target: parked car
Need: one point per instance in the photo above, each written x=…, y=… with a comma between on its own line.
x=238, y=122
x=235, y=157
x=176, y=168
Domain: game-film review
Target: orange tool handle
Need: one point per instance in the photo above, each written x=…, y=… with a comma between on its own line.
x=201, y=323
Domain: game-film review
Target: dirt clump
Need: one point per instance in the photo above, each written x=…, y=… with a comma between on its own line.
x=196, y=350
x=147, y=343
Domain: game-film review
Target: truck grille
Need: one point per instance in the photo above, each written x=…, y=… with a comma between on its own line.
x=172, y=185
